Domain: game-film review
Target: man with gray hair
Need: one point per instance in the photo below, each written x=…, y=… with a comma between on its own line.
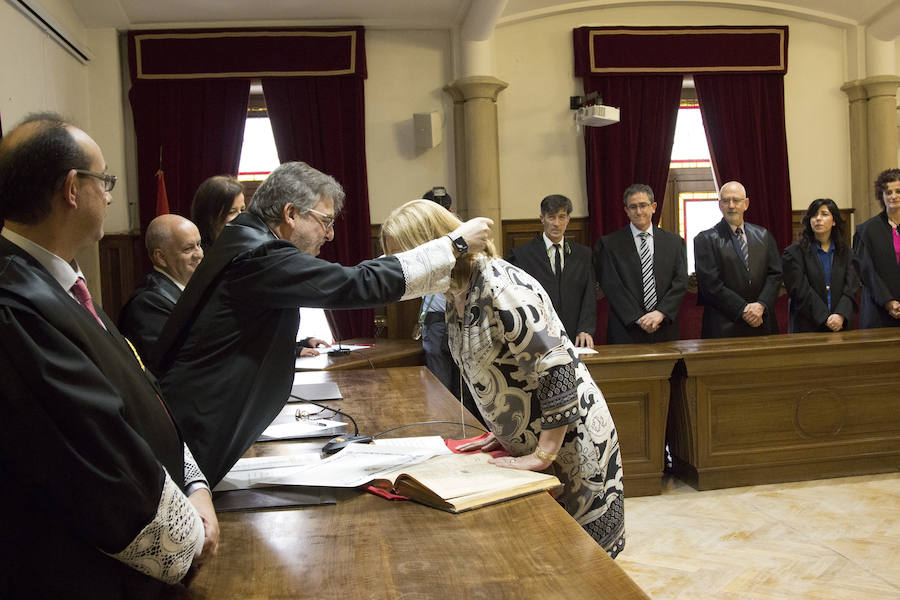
x=226, y=356
x=173, y=244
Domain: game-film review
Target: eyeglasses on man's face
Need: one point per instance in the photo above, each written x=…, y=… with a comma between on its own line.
x=109, y=181
x=328, y=223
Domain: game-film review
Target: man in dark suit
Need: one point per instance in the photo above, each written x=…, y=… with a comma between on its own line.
x=738, y=272
x=564, y=270
x=642, y=270
x=173, y=244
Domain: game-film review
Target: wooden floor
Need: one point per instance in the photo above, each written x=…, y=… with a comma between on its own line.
x=828, y=539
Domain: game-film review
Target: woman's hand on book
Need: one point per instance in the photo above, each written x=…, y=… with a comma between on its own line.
x=529, y=462
x=485, y=444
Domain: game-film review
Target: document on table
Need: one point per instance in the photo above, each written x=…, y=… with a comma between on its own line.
x=358, y=464
x=580, y=351
x=286, y=426
x=252, y=472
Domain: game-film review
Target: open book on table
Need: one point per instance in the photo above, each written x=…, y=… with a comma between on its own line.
x=461, y=482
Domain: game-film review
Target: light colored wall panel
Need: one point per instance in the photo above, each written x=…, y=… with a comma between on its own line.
x=407, y=71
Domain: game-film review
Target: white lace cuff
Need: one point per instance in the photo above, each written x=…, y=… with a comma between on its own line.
x=194, y=478
x=166, y=546
x=426, y=268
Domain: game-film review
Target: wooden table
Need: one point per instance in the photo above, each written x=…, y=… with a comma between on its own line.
x=382, y=353
x=747, y=411
x=368, y=547
x=634, y=379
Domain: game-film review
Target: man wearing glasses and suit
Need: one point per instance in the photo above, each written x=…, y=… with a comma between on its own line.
x=225, y=357
x=738, y=272
x=642, y=271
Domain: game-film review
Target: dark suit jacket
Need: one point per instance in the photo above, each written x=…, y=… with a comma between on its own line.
x=879, y=272
x=575, y=299
x=804, y=279
x=725, y=286
x=619, y=273
x=225, y=357
x=83, y=442
x=143, y=317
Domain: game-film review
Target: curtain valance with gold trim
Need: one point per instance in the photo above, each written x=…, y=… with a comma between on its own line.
x=247, y=53
x=687, y=50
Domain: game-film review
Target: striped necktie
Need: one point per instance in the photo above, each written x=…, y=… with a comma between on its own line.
x=647, y=273
x=745, y=251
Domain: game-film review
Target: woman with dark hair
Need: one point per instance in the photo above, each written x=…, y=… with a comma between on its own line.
x=877, y=244
x=820, y=272
x=535, y=395
x=217, y=201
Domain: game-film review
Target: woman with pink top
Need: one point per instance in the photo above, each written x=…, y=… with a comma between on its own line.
x=877, y=245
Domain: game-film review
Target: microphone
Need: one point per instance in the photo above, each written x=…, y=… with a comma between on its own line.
x=336, y=332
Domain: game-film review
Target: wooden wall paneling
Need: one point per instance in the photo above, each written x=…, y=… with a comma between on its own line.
x=634, y=380
x=120, y=270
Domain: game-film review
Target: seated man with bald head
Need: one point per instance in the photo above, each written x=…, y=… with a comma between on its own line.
x=173, y=244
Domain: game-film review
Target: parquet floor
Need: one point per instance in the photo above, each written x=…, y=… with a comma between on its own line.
x=827, y=539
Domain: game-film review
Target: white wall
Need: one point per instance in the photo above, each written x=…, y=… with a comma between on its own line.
x=107, y=121
x=37, y=74
x=407, y=73
x=541, y=154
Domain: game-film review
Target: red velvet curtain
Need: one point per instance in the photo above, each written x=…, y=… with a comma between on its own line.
x=744, y=119
x=197, y=126
x=321, y=121
x=638, y=149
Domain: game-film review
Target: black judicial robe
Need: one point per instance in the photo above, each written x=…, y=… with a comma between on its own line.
x=620, y=276
x=143, y=317
x=83, y=442
x=725, y=286
x=226, y=355
x=879, y=271
x=574, y=297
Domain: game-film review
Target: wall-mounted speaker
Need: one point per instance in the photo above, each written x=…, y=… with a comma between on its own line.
x=428, y=129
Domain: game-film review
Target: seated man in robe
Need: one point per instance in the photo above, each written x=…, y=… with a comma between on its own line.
x=173, y=244
x=102, y=498
x=226, y=355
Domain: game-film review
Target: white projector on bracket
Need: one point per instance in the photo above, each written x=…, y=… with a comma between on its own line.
x=596, y=115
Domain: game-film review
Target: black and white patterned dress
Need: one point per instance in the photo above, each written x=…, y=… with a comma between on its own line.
x=522, y=370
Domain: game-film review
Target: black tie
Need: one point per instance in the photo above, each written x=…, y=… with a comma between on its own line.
x=557, y=263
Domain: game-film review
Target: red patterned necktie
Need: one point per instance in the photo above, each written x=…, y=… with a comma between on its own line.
x=81, y=293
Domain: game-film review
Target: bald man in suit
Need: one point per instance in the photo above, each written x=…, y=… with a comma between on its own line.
x=738, y=272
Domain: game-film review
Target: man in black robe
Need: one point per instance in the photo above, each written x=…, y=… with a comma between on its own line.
x=226, y=355
x=101, y=496
x=173, y=244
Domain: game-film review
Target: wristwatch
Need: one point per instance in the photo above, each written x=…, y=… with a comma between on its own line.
x=460, y=246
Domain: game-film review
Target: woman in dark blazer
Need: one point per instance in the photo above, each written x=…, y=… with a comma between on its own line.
x=877, y=245
x=820, y=272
